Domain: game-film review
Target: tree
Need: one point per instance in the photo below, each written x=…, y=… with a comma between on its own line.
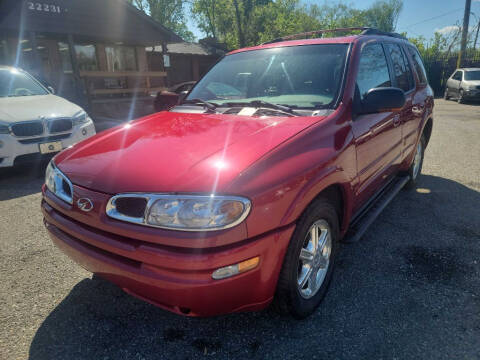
x=169, y=13
x=247, y=22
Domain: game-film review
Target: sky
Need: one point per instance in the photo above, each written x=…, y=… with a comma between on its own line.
x=418, y=17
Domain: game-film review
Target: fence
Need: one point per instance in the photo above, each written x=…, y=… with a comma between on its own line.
x=439, y=68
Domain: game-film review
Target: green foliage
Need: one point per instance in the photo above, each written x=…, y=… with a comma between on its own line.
x=169, y=13
x=241, y=23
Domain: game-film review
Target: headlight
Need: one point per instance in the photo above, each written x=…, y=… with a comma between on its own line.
x=81, y=118
x=58, y=183
x=4, y=129
x=180, y=212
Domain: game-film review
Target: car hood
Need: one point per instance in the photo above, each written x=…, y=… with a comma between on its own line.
x=175, y=152
x=472, y=82
x=23, y=108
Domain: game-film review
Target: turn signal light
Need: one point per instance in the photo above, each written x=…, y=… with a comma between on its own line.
x=236, y=269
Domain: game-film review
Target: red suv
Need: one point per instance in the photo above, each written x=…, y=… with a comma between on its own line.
x=240, y=195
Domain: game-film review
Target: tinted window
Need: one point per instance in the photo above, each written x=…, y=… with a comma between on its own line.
x=401, y=69
x=418, y=64
x=457, y=76
x=373, y=69
x=472, y=75
x=299, y=76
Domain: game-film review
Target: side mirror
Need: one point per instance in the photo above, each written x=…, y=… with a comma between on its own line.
x=182, y=96
x=51, y=89
x=382, y=99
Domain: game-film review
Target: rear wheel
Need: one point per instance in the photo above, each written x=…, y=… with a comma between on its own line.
x=416, y=167
x=445, y=95
x=309, y=261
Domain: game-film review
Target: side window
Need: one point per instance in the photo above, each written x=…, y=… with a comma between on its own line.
x=372, y=70
x=418, y=64
x=457, y=76
x=401, y=68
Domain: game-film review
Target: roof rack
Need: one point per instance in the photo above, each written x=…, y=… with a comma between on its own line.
x=365, y=31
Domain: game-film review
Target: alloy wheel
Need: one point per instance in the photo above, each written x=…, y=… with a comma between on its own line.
x=314, y=259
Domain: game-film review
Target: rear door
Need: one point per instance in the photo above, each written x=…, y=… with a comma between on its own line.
x=377, y=136
x=421, y=103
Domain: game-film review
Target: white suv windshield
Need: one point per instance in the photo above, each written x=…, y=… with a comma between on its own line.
x=16, y=83
x=472, y=75
x=306, y=76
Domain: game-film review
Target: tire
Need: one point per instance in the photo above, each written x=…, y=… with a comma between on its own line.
x=461, y=98
x=416, y=167
x=445, y=95
x=291, y=298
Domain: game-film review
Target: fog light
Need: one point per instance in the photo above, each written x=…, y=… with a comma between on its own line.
x=84, y=132
x=236, y=269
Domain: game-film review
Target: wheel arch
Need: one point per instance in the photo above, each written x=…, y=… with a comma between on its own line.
x=427, y=130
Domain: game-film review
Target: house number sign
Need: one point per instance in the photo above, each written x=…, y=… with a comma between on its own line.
x=43, y=7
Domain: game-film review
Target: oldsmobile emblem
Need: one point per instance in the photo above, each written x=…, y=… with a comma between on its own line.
x=85, y=204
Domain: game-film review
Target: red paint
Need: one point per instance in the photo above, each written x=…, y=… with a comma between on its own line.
x=280, y=163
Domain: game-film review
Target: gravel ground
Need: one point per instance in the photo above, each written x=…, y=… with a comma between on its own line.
x=410, y=289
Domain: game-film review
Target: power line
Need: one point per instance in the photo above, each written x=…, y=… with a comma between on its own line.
x=433, y=18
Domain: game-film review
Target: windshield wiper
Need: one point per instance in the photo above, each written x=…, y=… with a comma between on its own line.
x=208, y=105
x=265, y=104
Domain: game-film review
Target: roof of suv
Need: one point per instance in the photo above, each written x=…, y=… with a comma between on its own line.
x=285, y=41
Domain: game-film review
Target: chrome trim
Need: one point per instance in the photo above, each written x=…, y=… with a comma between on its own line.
x=48, y=122
x=45, y=124
x=112, y=212
x=59, y=185
x=27, y=122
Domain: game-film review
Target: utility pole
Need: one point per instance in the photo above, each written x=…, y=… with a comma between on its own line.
x=476, y=36
x=463, y=46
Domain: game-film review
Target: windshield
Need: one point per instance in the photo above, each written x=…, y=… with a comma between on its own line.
x=472, y=75
x=17, y=83
x=306, y=76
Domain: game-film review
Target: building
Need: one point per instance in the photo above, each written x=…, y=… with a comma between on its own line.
x=92, y=52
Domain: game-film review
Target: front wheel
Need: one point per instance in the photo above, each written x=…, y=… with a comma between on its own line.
x=416, y=167
x=309, y=261
x=461, y=97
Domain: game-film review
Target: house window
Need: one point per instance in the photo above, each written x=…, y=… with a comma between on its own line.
x=121, y=58
x=64, y=51
x=86, y=57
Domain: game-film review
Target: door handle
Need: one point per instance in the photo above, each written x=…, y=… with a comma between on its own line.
x=396, y=120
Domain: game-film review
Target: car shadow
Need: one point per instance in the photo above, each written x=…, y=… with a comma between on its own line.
x=390, y=292
x=21, y=180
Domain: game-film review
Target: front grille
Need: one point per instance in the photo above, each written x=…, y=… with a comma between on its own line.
x=44, y=139
x=59, y=125
x=33, y=128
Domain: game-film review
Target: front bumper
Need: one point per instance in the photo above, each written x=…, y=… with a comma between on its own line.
x=472, y=94
x=176, y=279
x=11, y=148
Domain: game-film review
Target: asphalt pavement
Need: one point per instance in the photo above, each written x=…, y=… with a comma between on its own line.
x=410, y=289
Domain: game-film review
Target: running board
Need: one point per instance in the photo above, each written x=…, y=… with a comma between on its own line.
x=360, y=225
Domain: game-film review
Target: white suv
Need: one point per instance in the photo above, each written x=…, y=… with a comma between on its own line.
x=34, y=123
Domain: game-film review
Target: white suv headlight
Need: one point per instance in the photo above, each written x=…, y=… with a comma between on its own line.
x=58, y=183
x=80, y=118
x=180, y=212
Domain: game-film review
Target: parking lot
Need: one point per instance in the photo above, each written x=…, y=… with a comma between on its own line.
x=410, y=289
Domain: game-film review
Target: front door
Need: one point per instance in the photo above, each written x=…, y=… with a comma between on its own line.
x=453, y=83
x=377, y=136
